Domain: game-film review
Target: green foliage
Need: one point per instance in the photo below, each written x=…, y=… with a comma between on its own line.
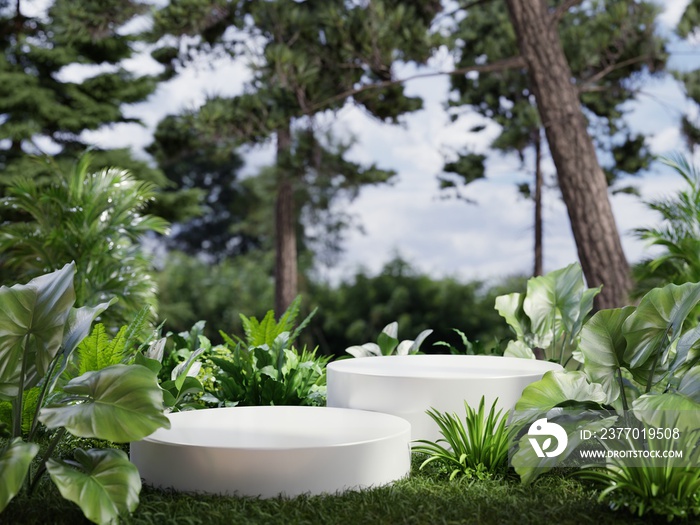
x=476, y=447
x=608, y=46
x=103, y=483
x=642, y=359
x=277, y=374
x=45, y=108
x=210, y=170
x=265, y=369
x=266, y=332
x=190, y=289
x=548, y=318
x=93, y=218
x=119, y=403
x=15, y=458
x=656, y=486
x=690, y=80
x=471, y=347
x=40, y=331
x=388, y=344
x=678, y=236
x=358, y=309
x=180, y=370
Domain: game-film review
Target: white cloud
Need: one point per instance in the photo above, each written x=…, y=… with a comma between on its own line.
x=672, y=11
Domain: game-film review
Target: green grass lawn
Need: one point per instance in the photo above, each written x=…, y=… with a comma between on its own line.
x=427, y=497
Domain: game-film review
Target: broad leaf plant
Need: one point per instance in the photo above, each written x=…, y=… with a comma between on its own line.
x=56, y=378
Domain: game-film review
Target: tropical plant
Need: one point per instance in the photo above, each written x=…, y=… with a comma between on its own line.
x=265, y=368
x=657, y=485
x=180, y=369
x=478, y=446
x=52, y=374
x=388, y=343
x=640, y=364
x=678, y=235
x=547, y=319
x=93, y=218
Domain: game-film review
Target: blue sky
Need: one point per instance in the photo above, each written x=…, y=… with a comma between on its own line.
x=488, y=240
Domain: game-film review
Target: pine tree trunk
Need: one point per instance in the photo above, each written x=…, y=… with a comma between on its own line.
x=285, y=226
x=581, y=180
x=538, y=269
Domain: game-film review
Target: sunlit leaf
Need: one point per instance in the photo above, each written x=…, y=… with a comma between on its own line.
x=119, y=403
x=32, y=320
x=558, y=387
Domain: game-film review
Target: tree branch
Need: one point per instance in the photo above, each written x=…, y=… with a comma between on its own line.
x=446, y=14
x=560, y=11
x=586, y=84
x=500, y=65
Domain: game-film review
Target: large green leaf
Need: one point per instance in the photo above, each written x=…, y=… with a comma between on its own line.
x=119, y=403
x=16, y=305
x=557, y=388
x=603, y=346
x=103, y=483
x=586, y=306
x=15, y=459
x=658, y=320
x=32, y=321
x=668, y=410
x=510, y=307
x=519, y=349
x=555, y=296
x=688, y=342
x=79, y=322
x=690, y=384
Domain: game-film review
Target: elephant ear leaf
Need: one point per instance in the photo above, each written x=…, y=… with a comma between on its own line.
x=510, y=307
x=559, y=388
x=32, y=321
x=79, y=322
x=603, y=347
x=555, y=296
x=119, y=403
x=15, y=459
x=657, y=321
x=103, y=483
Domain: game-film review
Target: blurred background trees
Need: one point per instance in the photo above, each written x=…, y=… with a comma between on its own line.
x=242, y=240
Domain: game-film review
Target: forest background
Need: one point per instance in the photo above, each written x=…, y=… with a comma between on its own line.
x=416, y=203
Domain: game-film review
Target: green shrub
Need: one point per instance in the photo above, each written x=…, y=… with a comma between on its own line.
x=548, y=318
x=678, y=234
x=639, y=364
x=93, y=218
